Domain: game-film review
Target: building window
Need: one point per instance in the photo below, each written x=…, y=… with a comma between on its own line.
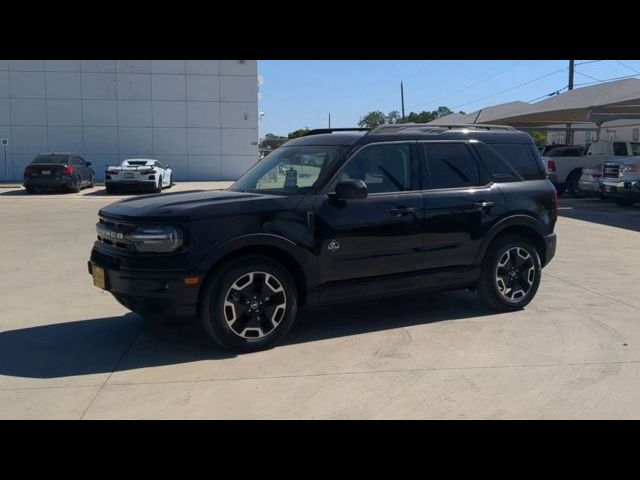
x=587, y=137
x=635, y=133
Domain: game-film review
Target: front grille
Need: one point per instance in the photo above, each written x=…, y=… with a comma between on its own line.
x=611, y=170
x=114, y=233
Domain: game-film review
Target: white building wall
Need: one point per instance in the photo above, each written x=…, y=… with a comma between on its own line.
x=200, y=116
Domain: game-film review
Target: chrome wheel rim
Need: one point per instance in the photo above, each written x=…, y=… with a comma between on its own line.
x=515, y=274
x=254, y=305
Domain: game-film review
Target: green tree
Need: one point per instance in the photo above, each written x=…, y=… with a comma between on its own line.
x=394, y=117
x=272, y=141
x=442, y=111
x=422, y=117
x=539, y=137
x=298, y=133
x=372, y=119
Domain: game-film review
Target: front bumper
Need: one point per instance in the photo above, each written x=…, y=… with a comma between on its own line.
x=550, y=242
x=620, y=189
x=161, y=292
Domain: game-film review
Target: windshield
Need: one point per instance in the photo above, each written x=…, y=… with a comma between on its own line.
x=289, y=170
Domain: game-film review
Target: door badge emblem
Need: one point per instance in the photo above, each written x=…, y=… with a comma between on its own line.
x=333, y=245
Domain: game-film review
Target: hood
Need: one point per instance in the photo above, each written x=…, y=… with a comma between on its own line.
x=192, y=205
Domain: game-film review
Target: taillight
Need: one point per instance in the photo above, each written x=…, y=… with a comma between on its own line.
x=68, y=170
x=28, y=171
x=596, y=175
x=551, y=166
x=555, y=205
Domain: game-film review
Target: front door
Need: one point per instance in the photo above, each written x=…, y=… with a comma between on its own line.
x=381, y=234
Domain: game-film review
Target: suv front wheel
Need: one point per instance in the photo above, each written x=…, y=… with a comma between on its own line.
x=510, y=273
x=249, y=305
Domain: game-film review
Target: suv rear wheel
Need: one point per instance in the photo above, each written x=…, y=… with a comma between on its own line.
x=249, y=304
x=510, y=274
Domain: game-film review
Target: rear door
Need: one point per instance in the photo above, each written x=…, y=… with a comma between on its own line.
x=460, y=200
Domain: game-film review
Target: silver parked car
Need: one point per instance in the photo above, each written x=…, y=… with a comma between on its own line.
x=588, y=184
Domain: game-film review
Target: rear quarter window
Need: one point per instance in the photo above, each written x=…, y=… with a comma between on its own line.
x=506, y=162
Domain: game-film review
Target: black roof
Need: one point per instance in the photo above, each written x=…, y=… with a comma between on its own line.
x=416, y=132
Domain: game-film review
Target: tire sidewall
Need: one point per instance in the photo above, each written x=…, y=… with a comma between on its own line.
x=490, y=288
x=214, y=290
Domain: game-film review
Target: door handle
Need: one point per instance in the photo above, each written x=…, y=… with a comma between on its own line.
x=402, y=211
x=483, y=204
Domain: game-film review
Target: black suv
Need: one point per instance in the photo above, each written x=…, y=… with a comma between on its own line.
x=337, y=215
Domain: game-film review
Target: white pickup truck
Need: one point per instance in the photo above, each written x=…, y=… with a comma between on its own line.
x=567, y=170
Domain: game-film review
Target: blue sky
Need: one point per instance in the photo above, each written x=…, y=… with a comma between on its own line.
x=301, y=93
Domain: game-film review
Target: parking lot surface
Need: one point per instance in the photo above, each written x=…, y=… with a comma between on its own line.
x=69, y=350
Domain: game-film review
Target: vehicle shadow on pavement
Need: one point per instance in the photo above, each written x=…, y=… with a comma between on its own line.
x=355, y=318
x=126, y=342
x=605, y=213
x=99, y=345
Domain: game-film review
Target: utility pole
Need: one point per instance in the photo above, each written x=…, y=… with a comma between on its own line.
x=329, y=120
x=569, y=134
x=402, y=99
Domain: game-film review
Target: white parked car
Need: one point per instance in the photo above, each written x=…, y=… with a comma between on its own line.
x=138, y=173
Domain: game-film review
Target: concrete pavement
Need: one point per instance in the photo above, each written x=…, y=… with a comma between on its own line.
x=68, y=350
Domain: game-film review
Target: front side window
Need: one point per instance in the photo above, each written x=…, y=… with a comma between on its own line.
x=451, y=165
x=289, y=170
x=635, y=148
x=384, y=168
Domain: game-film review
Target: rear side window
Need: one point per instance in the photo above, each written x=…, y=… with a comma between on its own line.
x=451, y=165
x=515, y=157
x=620, y=149
x=635, y=148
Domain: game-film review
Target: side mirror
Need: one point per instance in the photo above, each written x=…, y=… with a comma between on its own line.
x=351, y=190
x=88, y=164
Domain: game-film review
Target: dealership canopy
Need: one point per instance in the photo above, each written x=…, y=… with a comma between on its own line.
x=594, y=104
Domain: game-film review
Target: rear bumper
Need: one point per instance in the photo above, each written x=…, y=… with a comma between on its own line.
x=130, y=184
x=550, y=242
x=162, y=293
x=53, y=182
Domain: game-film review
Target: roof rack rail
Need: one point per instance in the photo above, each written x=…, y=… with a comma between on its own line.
x=320, y=131
x=402, y=126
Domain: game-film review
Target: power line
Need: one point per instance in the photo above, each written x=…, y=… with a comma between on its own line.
x=627, y=66
x=552, y=94
x=512, y=88
x=589, y=76
x=590, y=61
x=607, y=80
x=476, y=83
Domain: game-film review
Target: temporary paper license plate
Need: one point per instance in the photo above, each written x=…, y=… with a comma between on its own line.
x=46, y=172
x=98, y=277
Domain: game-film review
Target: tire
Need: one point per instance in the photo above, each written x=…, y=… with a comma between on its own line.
x=31, y=190
x=92, y=182
x=158, y=187
x=75, y=188
x=243, y=284
x=572, y=184
x=492, y=293
x=109, y=188
x=625, y=202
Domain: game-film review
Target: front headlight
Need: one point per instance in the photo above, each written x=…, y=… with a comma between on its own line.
x=159, y=239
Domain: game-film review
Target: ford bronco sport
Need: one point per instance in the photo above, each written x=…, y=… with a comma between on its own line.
x=336, y=215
